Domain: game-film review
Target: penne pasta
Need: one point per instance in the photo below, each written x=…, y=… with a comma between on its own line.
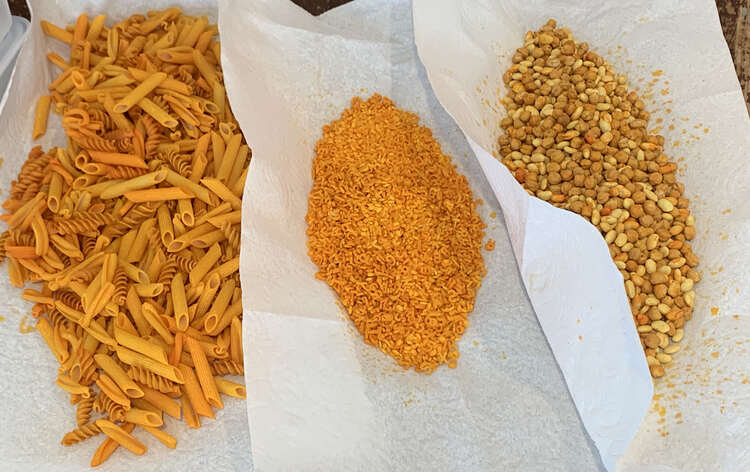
x=149, y=290
x=119, y=119
x=158, y=113
x=162, y=436
x=193, y=390
x=118, y=159
x=166, y=229
x=162, y=402
x=191, y=418
x=221, y=190
x=240, y=163
x=150, y=314
x=143, y=417
x=142, y=237
x=40, y=116
x=159, y=194
x=178, y=180
x=139, y=360
x=111, y=390
x=134, y=273
x=233, y=389
x=204, y=265
x=227, y=160
x=108, y=446
x=137, y=183
x=131, y=226
x=140, y=92
x=207, y=70
x=235, y=345
x=121, y=436
x=140, y=345
x=56, y=32
x=95, y=30
x=179, y=302
x=115, y=372
x=203, y=372
x=134, y=306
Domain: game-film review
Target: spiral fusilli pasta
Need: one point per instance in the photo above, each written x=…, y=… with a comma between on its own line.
x=83, y=411
x=227, y=367
x=104, y=404
x=81, y=433
x=152, y=380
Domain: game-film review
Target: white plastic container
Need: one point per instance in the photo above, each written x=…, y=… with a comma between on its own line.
x=10, y=44
x=4, y=18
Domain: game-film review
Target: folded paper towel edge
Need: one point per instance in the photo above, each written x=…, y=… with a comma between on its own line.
x=610, y=448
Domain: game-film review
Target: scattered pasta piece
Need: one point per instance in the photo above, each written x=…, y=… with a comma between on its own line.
x=131, y=227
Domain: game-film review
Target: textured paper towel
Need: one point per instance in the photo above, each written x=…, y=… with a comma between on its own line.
x=36, y=412
x=318, y=397
x=699, y=420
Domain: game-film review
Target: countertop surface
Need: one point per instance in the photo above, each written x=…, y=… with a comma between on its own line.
x=735, y=22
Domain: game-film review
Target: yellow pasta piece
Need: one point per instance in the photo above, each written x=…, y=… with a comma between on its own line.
x=221, y=190
x=162, y=402
x=120, y=120
x=134, y=273
x=133, y=304
x=118, y=375
x=141, y=241
x=235, y=344
x=158, y=113
x=110, y=388
x=139, y=360
x=121, y=436
x=140, y=92
x=200, y=192
x=203, y=372
x=108, y=446
x=97, y=24
x=143, y=417
x=220, y=305
x=239, y=184
x=149, y=290
x=159, y=194
x=150, y=314
x=233, y=389
x=191, y=417
x=44, y=328
x=193, y=390
x=56, y=32
x=204, y=265
x=140, y=345
x=179, y=302
x=162, y=436
x=166, y=229
x=136, y=183
x=57, y=60
x=40, y=116
x=66, y=383
x=118, y=159
x=232, y=218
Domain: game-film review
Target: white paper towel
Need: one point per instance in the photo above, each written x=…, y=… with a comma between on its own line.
x=699, y=419
x=36, y=412
x=319, y=398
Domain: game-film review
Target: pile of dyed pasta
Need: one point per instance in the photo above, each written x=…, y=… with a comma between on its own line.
x=393, y=229
x=132, y=227
x=577, y=137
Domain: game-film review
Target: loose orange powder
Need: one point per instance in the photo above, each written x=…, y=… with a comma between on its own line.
x=393, y=229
